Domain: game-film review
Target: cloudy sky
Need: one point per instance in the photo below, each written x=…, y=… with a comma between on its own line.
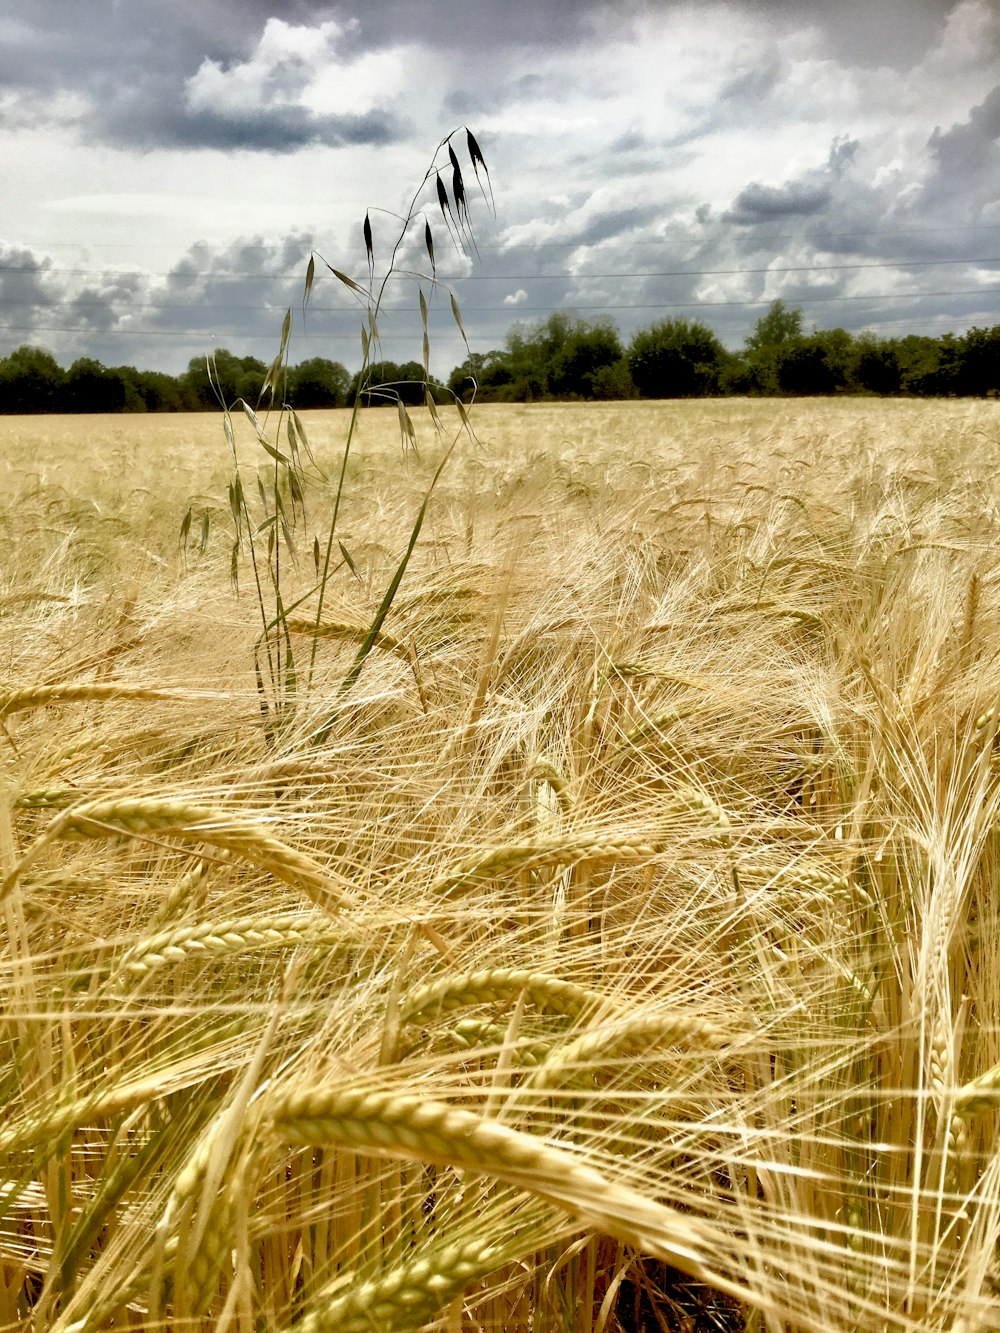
x=168, y=167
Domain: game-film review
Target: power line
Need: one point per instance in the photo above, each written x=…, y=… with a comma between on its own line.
x=197, y=331
x=213, y=334
x=526, y=277
x=766, y=237
x=518, y=308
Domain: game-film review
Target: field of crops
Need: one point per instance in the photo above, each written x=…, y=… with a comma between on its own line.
x=588, y=922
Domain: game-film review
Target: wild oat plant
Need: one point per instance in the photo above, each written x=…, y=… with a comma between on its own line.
x=617, y=952
x=268, y=515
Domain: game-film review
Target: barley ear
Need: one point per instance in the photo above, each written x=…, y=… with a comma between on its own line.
x=407, y=1296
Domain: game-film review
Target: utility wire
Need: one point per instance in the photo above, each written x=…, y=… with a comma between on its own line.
x=38, y=271
x=486, y=249
x=518, y=308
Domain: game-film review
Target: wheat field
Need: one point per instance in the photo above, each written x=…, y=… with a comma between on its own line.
x=598, y=933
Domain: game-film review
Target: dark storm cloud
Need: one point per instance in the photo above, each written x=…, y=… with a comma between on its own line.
x=585, y=223
x=212, y=297
x=833, y=200
x=483, y=25
x=862, y=32
x=115, y=48
x=236, y=296
x=233, y=295
x=967, y=158
x=29, y=292
x=753, y=85
x=144, y=123
x=765, y=203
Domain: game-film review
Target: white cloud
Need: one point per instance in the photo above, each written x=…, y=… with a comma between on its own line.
x=298, y=66
x=516, y=298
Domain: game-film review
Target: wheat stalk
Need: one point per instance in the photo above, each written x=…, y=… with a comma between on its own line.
x=223, y=939
x=432, y=1131
x=489, y=985
x=629, y=1035
x=146, y=815
x=569, y=850
x=406, y=1296
x=43, y=696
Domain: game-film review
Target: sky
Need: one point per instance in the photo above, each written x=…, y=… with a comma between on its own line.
x=167, y=169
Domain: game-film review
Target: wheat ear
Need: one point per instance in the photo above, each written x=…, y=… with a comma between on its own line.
x=48, y=1127
x=639, y=1032
x=136, y=816
x=512, y=858
x=406, y=1296
x=222, y=938
x=40, y=696
x=982, y=1094
x=490, y=985
x=435, y=1132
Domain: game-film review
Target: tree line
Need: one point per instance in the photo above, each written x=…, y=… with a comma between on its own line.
x=562, y=357
x=567, y=357
x=31, y=380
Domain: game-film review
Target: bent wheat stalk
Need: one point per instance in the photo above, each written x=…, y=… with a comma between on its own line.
x=142, y=815
x=414, y=1291
x=434, y=1132
x=510, y=859
x=489, y=985
x=88, y=691
x=635, y=1033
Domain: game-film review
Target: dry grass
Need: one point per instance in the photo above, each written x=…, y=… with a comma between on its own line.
x=620, y=951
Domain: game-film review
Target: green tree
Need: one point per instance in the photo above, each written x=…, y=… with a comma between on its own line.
x=153, y=391
x=931, y=366
x=919, y=357
x=613, y=381
x=740, y=376
x=586, y=351
x=876, y=367
x=778, y=325
x=235, y=376
x=385, y=383
x=676, y=358
x=531, y=351
x=487, y=375
x=563, y=356
x=31, y=380
x=819, y=364
x=773, y=333
x=979, y=372
x=318, y=383
x=90, y=387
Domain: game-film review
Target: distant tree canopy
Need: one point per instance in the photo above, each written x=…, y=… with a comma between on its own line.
x=778, y=326
x=677, y=358
x=562, y=357
x=224, y=376
x=566, y=357
x=385, y=383
x=32, y=381
x=318, y=383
